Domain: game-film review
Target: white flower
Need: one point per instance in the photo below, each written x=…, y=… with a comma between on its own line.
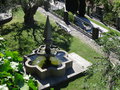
x=14, y=65
x=0, y=59
x=1, y=38
x=3, y=87
x=26, y=77
x=9, y=57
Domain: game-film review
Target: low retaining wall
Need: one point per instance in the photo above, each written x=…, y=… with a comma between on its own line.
x=6, y=20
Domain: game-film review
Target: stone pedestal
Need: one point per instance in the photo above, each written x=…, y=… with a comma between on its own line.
x=95, y=33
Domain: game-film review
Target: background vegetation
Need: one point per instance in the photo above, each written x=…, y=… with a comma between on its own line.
x=24, y=39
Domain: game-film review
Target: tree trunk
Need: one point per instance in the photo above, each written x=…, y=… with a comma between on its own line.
x=29, y=15
x=82, y=8
x=72, y=6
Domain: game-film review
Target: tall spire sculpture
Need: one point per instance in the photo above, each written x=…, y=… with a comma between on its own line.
x=48, y=39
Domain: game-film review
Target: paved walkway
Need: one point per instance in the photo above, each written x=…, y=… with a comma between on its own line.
x=73, y=31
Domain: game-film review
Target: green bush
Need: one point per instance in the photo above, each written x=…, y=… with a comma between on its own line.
x=12, y=75
x=108, y=17
x=59, y=12
x=71, y=17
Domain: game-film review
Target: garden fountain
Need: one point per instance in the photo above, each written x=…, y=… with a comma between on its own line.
x=47, y=60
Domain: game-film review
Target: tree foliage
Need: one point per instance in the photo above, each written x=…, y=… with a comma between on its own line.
x=30, y=7
x=107, y=67
x=111, y=10
x=116, y=7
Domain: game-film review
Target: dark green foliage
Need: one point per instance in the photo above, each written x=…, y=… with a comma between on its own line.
x=14, y=55
x=107, y=69
x=18, y=79
x=60, y=12
x=71, y=17
x=111, y=43
x=111, y=10
x=61, y=38
x=2, y=45
x=32, y=85
x=11, y=71
x=108, y=17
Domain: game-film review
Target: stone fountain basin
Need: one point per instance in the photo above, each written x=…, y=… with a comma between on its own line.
x=51, y=71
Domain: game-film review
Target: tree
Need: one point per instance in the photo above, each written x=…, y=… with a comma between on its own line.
x=82, y=8
x=76, y=5
x=111, y=46
x=5, y=5
x=71, y=5
x=116, y=7
x=107, y=67
x=30, y=7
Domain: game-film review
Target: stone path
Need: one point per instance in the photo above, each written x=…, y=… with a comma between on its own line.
x=73, y=31
x=79, y=65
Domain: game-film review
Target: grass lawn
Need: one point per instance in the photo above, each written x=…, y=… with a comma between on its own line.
x=83, y=50
x=21, y=38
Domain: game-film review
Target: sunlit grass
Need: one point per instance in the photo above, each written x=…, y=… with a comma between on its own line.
x=83, y=50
